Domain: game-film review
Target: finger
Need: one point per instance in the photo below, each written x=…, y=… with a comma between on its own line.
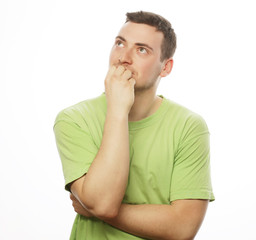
x=132, y=81
x=111, y=70
x=120, y=70
x=127, y=74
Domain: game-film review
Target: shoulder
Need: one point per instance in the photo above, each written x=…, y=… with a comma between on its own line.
x=185, y=120
x=181, y=112
x=82, y=111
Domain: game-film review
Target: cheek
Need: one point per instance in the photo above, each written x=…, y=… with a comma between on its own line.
x=113, y=57
x=151, y=68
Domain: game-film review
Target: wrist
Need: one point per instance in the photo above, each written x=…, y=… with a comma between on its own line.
x=117, y=115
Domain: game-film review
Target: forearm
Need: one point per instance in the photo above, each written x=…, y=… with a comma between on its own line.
x=104, y=185
x=147, y=221
x=160, y=221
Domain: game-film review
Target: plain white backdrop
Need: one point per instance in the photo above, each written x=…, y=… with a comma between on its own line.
x=54, y=53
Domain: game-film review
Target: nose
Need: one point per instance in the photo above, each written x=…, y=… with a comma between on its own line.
x=126, y=57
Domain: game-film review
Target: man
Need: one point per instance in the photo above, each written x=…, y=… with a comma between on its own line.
x=136, y=164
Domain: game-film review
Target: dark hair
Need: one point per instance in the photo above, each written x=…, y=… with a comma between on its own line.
x=168, y=46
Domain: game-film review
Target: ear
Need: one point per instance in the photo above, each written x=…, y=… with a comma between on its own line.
x=167, y=67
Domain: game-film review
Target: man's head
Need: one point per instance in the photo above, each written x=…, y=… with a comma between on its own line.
x=145, y=45
x=168, y=46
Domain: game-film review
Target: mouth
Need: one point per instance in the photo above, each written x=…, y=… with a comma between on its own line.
x=134, y=73
x=130, y=69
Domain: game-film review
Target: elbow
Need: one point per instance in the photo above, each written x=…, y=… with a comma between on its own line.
x=101, y=206
x=104, y=212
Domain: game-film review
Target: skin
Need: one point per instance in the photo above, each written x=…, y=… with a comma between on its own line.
x=142, y=58
x=130, y=86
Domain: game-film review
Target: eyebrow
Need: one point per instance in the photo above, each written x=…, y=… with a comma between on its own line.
x=137, y=44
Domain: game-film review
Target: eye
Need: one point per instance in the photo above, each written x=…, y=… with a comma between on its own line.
x=143, y=50
x=119, y=43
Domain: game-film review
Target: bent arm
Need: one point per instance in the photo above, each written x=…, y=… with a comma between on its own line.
x=102, y=189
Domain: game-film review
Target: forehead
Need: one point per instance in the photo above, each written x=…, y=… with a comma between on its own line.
x=141, y=33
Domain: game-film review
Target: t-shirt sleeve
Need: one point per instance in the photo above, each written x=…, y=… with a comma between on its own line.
x=76, y=148
x=191, y=172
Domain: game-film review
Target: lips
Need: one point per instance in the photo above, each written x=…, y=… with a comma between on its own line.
x=134, y=73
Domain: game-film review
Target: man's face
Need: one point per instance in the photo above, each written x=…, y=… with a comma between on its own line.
x=138, y=48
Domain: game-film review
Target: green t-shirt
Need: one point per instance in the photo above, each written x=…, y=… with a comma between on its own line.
x=169, y=158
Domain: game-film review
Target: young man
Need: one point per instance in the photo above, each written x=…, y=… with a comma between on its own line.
x=137, y=164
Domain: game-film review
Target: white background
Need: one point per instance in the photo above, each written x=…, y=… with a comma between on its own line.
x=54, y=53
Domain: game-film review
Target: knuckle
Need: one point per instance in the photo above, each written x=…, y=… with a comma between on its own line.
x=120, y=67
x=129, y=71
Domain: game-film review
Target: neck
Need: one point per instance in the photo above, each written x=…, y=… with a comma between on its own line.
x=145, y=104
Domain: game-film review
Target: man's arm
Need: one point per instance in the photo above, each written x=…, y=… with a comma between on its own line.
x=102, y=189
x=179, y=221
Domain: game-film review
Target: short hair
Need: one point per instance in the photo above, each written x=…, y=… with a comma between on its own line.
x=161, y=24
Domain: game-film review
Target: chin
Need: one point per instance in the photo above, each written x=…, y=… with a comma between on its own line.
x=142, y=88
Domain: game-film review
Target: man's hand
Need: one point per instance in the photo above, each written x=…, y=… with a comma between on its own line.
x=78, y=208
x=119, y=90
